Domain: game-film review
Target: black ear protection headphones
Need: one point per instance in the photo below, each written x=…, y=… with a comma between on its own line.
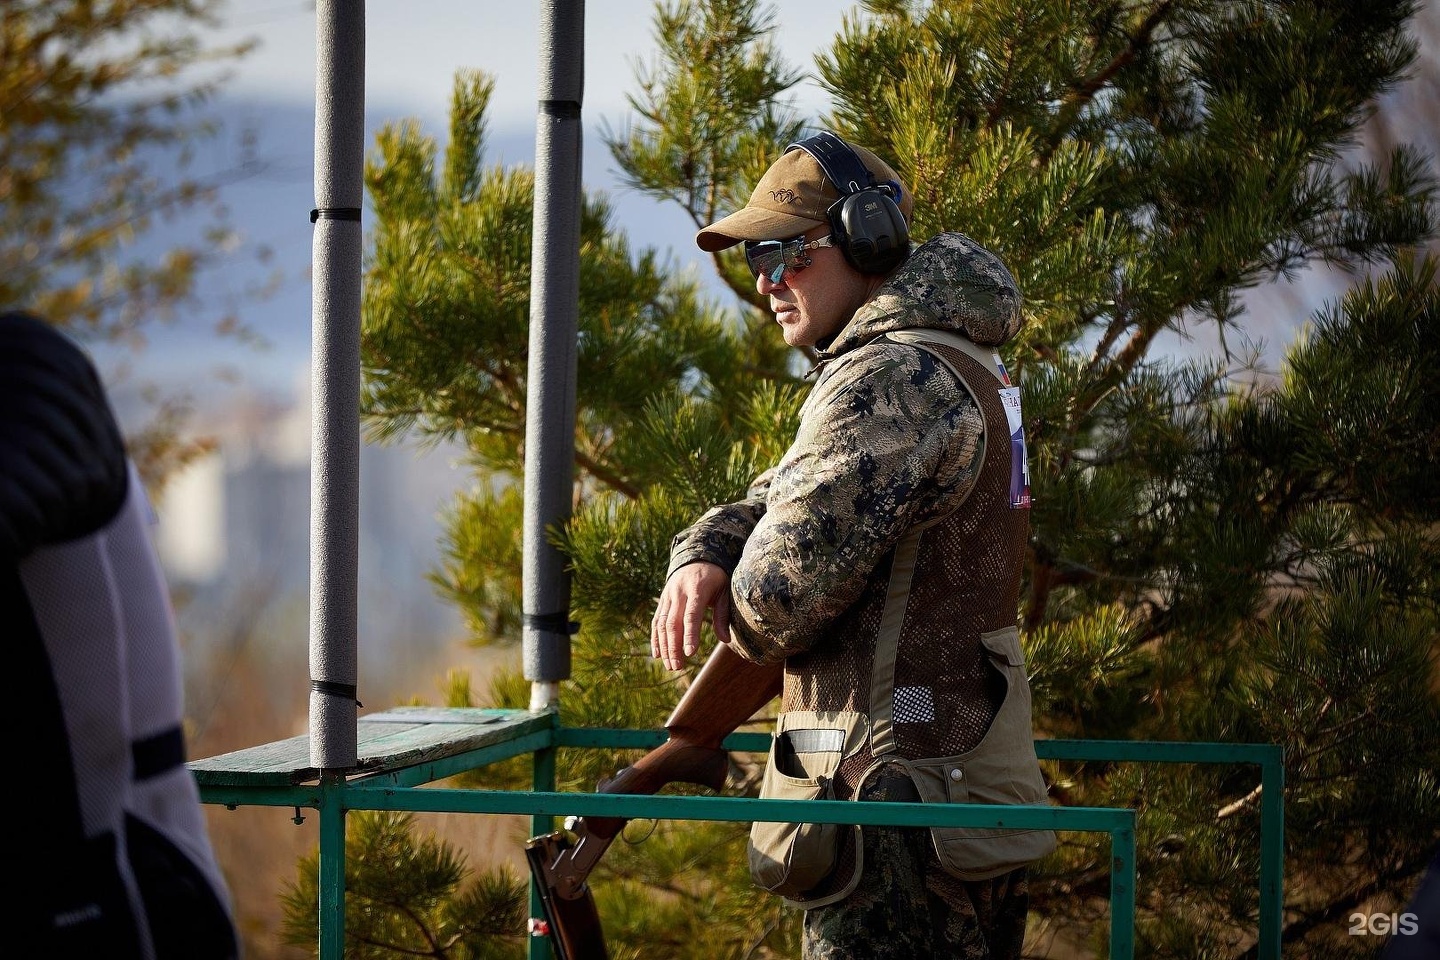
x=866, y=221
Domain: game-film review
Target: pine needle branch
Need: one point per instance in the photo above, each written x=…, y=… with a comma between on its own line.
x=1083, y=92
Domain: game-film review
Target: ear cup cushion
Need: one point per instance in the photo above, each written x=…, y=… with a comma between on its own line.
x=871, y=231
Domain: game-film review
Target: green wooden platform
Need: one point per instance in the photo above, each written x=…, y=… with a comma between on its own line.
x=396, y=740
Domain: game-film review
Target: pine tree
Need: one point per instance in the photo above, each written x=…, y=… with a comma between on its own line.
x=1216, y=555
x=92, y=96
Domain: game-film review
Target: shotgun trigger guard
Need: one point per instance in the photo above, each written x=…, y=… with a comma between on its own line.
x=640, y=839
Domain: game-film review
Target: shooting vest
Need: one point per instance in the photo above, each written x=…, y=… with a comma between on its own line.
x=923, y=674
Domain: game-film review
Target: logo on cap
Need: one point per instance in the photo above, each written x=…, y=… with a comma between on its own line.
x=785, y=195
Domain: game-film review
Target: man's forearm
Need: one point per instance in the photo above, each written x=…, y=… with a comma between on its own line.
x=718, y=537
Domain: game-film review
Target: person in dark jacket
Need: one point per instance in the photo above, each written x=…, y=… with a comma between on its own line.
x=880, y=560
x=117, y=863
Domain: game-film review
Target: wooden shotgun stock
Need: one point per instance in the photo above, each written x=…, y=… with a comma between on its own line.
x=727, y=692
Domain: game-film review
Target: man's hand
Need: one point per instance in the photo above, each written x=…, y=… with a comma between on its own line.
x=690, y=591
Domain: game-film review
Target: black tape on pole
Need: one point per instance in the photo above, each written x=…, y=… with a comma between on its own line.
x=335, y=213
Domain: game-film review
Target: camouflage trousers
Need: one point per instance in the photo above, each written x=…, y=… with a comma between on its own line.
x=907, y=908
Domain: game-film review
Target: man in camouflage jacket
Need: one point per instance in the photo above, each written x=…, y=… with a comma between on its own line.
x=905, y=470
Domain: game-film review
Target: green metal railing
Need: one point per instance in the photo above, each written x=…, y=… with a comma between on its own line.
x=334, y=795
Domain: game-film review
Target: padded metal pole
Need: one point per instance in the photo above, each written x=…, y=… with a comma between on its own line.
x=554, y=320
x=335, y=381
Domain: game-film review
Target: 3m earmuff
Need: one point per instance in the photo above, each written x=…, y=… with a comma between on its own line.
x=866, y=221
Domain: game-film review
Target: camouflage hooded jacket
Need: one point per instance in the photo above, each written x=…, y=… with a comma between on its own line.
x=881, y=561
x=888, y=439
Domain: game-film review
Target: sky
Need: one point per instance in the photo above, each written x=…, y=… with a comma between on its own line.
x=414, y=47
x=413, y=50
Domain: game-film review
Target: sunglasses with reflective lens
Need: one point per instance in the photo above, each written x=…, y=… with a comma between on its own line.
x=771, y=258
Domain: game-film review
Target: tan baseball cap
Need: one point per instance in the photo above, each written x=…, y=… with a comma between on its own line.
x=790, y=198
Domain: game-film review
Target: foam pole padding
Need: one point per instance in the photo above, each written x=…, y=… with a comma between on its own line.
x=554, y=321
x=335, y=381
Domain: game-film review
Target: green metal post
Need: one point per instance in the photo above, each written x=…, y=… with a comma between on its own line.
x=543, y=778
x=332, y=866
x=1272, y=853
x=1122, y=891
